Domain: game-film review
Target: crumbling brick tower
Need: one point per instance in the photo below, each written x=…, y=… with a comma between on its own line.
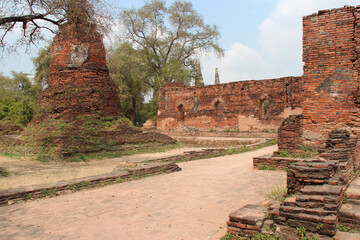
x=79, y=82
x=80, y=111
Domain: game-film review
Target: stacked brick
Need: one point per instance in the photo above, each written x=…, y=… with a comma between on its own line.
x=246, y=221
x=290, y=132
x=342, y=149
x=315, y=209
x=309, y=172
x=234, y=106
x=319, y=186
x=280, y=163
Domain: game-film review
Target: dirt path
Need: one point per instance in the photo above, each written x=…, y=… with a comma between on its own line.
x=191, y=204
x=25, y=172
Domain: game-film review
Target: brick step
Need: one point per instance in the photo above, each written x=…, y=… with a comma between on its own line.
x=353, y=201
x=329, y=219
x=328, y=203
x=346, y=236
x=350, y=213
x=311, y=211
x=322, y=190
x=353, y=191
x=318, y=198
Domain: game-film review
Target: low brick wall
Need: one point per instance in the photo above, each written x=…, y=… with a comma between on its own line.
x=280, y=163
x=53, y=189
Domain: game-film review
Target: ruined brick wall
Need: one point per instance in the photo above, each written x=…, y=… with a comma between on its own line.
x=236, y=105
x=331, y=73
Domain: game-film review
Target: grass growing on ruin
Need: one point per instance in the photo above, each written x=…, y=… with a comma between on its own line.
x=256, y=236
x=304, y=235
x=264, y=167
x=304, y=153
x=343, y=228
x=277, y=193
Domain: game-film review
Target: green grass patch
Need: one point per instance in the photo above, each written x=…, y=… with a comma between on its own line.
x=304, y=235
x=10, y=155
x=257, y=236
x=264, y=167
x=304, y=153
x=4, y=172
x=343, y=228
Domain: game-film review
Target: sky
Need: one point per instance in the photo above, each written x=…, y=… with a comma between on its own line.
x=262, y=39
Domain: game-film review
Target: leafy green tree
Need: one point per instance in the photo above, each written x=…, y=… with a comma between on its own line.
x=128, y=69
x=169, y=38
x=18, y=97
x=16, y=110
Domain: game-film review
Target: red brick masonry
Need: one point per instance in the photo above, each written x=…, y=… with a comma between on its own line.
x=237, y=106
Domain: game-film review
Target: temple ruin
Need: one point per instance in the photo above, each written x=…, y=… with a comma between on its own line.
x=242, y=106
x=327, y=95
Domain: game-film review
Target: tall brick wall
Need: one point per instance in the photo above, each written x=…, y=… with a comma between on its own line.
x=235, y=105
x=331, y=73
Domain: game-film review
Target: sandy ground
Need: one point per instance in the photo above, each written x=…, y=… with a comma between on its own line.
x=193, y=204
x=25, y=172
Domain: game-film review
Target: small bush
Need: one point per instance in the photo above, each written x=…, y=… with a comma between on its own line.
x=227, y=130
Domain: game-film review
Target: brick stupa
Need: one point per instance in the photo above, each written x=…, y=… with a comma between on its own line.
x=79, y=81
x=80, y=110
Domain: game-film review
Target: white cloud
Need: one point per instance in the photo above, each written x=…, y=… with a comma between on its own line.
x=238, y=63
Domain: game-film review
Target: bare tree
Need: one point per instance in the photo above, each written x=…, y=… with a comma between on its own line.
x=28, y=18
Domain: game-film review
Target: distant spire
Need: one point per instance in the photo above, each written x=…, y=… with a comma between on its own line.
x=217, y=79
x=199, y=80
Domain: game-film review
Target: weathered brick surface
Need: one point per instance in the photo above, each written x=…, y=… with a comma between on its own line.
x=235, y=105
x=79, y=81
x=280, y=163
x=331, y=72
x=247, y=220
x=290, y=132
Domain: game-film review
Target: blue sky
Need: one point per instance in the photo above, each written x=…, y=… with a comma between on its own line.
x=262, y=38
